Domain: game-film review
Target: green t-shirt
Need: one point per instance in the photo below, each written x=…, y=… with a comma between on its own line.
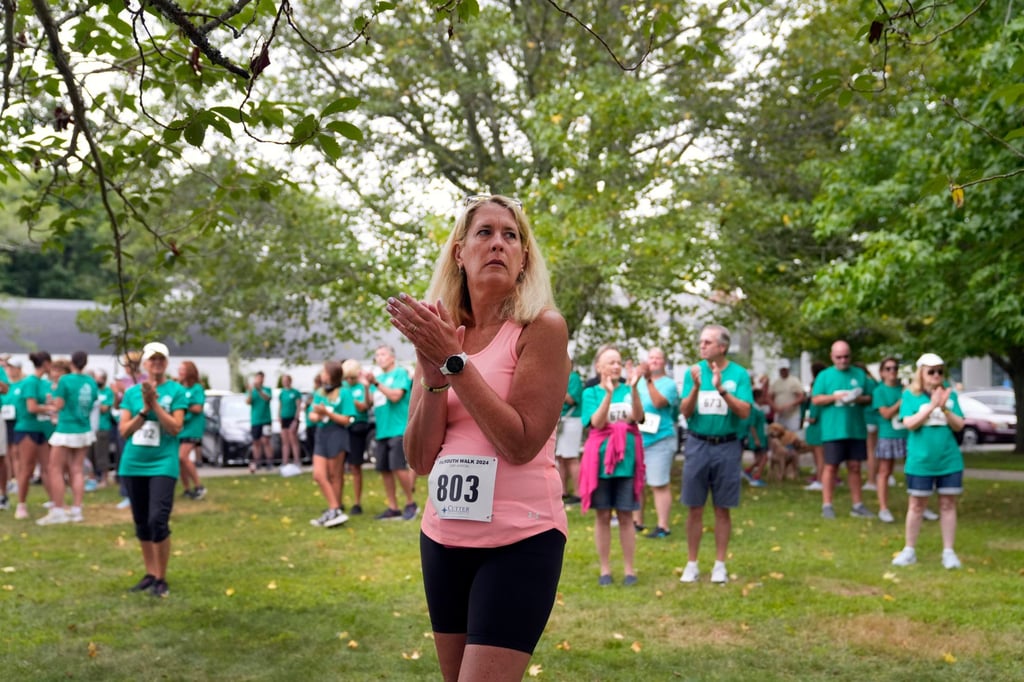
x=887, y=396
x=289, y=399
x=840, y=421
x=871, y=415
x=79, y=393
x=931, y=449
x=340, y=403
x=357, y=393
x=812, y=434
x=621, y=409
x=195, y=422
x=38, y=389
x=575, y=390
x=712, y=416
x=392, y=417
x=759, y=423
x=106, y=396
x=317, y=399
x=160, y=458
x=260, y=407
x=9, y=401
x=666, y=416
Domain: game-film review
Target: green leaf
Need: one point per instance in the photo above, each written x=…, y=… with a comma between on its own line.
x=330, y=146
x=468, y=9
x=845, y=97
x=347, y=129
x=1014, y=134
x=339, y=105
x=230, y=113
x=304, y=130
x=195, y=131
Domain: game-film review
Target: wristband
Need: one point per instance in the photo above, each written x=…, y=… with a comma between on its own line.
x=434, y=389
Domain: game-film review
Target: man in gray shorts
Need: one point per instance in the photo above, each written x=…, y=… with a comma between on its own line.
x=391, y=390
x=717, y=398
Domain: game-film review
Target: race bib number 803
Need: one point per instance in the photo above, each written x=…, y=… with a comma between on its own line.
x=462, y=487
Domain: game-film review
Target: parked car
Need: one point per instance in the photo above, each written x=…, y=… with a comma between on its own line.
x=999, y=398
x=983, y=424
x=227, y=438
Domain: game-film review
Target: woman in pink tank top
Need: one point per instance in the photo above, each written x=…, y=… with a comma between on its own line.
x=492, y=369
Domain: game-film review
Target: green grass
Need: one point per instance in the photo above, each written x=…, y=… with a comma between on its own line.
x=994, y=459
x=258, y=594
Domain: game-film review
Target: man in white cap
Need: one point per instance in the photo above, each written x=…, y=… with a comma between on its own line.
x=786, y=395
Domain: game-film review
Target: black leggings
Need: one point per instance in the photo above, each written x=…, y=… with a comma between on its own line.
x=152, y=498
x=499, y=596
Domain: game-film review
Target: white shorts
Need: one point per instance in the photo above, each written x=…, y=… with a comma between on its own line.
x=73, y=440
x=3, y=441
x=570, y=437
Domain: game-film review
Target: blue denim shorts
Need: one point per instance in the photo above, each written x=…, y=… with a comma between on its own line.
x=615, y=493
x=947, y=484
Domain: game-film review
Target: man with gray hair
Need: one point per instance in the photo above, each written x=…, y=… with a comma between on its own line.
x=717, y=399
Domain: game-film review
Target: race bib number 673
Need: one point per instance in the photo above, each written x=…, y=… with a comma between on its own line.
x=462, y=487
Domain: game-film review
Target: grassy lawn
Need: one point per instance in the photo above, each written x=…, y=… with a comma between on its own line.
x=994, y=459
x=259, y=594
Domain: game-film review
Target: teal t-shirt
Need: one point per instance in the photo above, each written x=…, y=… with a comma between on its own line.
x=106, y=396
x=259, y=411
x=340, y=403
x=759, y=423
x=9, y=401
x=812, y=434
x=712, y=416
x=932, y=449
x=871, y=415
x=289, y=399
x=357, y=392
x=79, y=393
x=887, y=396
x=318, y=398
x=841, y=421
x=161, y=457
x=575, y=390
x=38, y=389
x=621, y=409
x=195, y=422
x=665, y=416
x=392, y=417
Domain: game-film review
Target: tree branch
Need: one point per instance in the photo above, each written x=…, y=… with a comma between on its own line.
x=177, y=16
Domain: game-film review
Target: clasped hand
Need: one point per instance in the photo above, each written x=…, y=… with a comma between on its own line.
x=431, y=330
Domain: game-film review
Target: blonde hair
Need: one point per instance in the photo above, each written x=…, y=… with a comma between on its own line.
x=532, y=294
x=917, y=380
x=350, y=369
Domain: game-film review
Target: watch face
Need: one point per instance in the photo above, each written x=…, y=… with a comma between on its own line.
x=454, y=364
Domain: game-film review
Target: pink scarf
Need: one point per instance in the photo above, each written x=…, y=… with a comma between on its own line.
x=590, y=464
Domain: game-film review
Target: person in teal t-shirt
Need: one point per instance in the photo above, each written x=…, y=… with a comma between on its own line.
x=32, y=425
x=660, y=398
x=5, y=390
x=931, y=413
x=392, y=388
x=259, y=418
x=289, y=400
x=841, y=391
x=101, y=464
x=612, y=467
x=756, y=437
x=892, y=435
x=190, y=440
x=570, y=438
x=717, y=400
x=152, y=416
x=74, y=398
x=358, y=402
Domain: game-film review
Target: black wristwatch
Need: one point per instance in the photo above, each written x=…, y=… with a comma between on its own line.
x=454, y=364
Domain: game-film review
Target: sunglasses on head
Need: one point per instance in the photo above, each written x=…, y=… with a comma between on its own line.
x=473, y=199
x=935, y=371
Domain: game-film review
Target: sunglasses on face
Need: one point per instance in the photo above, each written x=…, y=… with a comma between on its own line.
x=935, y=371
x=890, y=368
x=840, y=357
x=474, y=199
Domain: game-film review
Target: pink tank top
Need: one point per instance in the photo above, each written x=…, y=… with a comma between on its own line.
x=527, y=497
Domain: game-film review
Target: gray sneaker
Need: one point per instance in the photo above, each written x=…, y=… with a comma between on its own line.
x=828, y=511
x=860, y=511
x=410, y=511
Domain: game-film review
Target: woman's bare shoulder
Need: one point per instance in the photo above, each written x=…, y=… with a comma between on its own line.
x=549, y=327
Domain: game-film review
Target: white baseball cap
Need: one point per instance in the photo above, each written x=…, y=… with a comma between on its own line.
x=783, y=364
x=154, y=348
x=929, y=360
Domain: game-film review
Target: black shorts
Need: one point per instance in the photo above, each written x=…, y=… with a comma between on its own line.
x=500, y=596
x=260, y=431
x=331, y=441
x=390, y=454
x=845, y=450
x=37, y=437
x=286, y=422
x=190, y=441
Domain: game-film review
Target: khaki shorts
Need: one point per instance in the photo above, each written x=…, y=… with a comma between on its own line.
x=570, y=437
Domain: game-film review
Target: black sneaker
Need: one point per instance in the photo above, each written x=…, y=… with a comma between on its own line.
x=639, y=527
x=199, y=493
x=571, y=499
x=410, y=511
x=144, y=584
x=658, y=532
x=188, y=493
x=388, y=514
x=159, y=588
x=356, y=510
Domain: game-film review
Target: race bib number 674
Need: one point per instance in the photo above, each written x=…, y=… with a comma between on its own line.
x=462, y=487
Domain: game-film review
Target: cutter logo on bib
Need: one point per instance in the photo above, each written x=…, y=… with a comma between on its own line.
x=462, y=487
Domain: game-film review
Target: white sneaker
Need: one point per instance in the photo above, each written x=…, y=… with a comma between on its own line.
x=75, y=515
x=929, y=515
x=869, y=486
x=906, y=557
x=892, y=481
x=690, y=573
x=813, y=485
x=885, y=516
x=12, y=487
x=950, y=560
x=124, y=503
x=48, y=505
x=718, y=573
x=336, y=518
x=55, y=516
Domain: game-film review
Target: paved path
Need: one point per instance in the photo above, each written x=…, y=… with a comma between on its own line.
x=994, y=474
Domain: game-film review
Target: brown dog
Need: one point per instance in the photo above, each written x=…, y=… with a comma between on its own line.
x=784, y=450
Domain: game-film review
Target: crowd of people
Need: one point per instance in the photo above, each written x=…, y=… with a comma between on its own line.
x=504, y=454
